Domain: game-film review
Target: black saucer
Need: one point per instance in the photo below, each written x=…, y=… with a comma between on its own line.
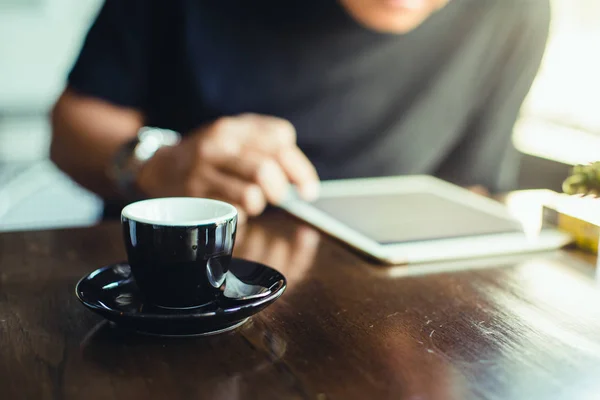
x=112, y=292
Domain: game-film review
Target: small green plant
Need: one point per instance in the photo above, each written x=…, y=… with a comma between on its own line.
x=584, y=180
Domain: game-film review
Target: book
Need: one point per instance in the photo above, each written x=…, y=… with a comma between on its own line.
x=578, y=216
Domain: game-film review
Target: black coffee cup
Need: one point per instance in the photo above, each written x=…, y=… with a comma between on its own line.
x=179, y=249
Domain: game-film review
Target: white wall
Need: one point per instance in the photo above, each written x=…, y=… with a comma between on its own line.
x=561, y=118
x=38, y=42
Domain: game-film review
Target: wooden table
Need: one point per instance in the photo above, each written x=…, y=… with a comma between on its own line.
x=523, y=328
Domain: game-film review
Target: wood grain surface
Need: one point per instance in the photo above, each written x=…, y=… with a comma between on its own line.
x=515, y=328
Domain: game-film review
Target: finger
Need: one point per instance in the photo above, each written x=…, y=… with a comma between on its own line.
x=301, y=172
x=231, y=135
x=269, y=133
x=261, y=170
x=233, y=189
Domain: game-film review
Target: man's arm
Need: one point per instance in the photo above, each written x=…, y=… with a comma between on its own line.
x=86, y=134
x=247, y=160
x=97, y=112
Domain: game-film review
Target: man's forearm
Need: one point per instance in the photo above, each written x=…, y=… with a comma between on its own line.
x=86, y=134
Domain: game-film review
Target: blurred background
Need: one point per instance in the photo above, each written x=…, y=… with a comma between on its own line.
x=560, y=123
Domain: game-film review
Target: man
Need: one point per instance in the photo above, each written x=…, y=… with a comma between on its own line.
x=270, y=93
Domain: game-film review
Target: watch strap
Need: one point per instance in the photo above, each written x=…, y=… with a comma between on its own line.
x=134, y=154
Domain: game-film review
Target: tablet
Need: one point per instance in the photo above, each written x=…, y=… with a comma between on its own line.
x=416, y=219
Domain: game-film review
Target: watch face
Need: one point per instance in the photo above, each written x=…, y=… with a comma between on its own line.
x=164, y=137
x=151, y=139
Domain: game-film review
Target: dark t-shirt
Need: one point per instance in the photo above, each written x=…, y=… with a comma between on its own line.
x=439, y=100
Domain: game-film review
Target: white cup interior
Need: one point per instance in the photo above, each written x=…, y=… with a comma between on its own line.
x=179, y=211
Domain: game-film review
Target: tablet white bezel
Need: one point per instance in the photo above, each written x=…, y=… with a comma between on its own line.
x=417, y=252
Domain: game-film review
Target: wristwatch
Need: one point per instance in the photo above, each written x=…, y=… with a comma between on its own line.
x=134, y=154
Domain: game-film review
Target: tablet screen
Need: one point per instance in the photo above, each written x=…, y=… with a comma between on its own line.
x=409, y=217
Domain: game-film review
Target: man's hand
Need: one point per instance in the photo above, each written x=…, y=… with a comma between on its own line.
x=248, y=160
